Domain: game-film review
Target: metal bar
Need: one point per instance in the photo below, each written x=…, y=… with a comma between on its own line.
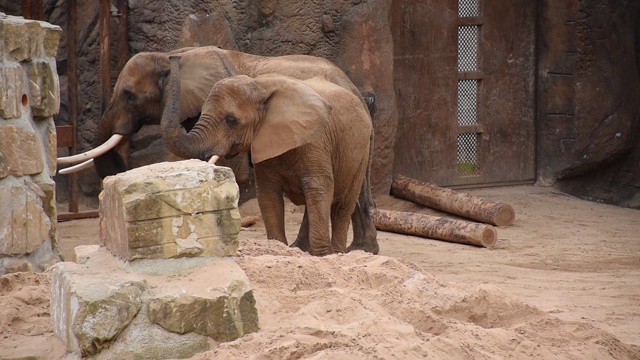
x=472, y=128
x=470, y=75
x=105, y=54
x=72, y=88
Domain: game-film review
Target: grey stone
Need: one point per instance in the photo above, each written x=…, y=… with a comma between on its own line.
x=44, y=88
x=90, y=307
x=24, y=225
x=12, y=78
x=166, y=308
x=223, y=309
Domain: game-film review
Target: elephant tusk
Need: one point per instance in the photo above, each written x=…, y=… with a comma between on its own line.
x=108, y=145
x=213, y=159
x=75, y=168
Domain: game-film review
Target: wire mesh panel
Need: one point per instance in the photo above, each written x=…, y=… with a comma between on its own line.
x=468, y=8
x=468, y=102
x=468, y=47
x=468, y=154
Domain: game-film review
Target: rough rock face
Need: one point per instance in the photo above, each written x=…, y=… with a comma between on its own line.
x=151, y=308
x=266, y=27
x=589, y=86
x=29, y=98
x=170, y=209
x=587, y=80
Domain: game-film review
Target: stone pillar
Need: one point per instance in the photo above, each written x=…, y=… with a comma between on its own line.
x=29, y=97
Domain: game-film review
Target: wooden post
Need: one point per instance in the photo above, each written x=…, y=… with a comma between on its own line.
x=33, y=9
x=434, y=227
x=72, y=90
x=465, y=205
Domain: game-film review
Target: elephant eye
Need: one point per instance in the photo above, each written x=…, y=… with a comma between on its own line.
x=131, y=97
x=231, y=121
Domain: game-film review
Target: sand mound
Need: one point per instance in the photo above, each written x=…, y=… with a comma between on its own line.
x=362, y=306
x=350, y=306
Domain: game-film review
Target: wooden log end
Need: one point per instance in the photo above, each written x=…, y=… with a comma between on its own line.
x=249, y=221
x=505, y=215
x=489, y=237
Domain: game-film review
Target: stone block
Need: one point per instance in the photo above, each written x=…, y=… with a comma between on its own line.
x=44, y=88
x=24, y=40
x=24, y=225
x=16, y=38
x=90, y=307
x=221, y=306
x=51, y=39
x=170, y=209
x=177, y=305
x=20, y=152
x=12, y=90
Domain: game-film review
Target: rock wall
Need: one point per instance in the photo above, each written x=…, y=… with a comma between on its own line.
x=589, y=99
x=29, y=98
x=588, y=83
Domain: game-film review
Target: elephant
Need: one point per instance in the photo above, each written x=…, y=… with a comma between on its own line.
x=309, y=140
x=139, y=98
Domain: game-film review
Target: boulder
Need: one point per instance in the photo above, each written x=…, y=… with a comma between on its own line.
x=171, y=209
x=149, y=308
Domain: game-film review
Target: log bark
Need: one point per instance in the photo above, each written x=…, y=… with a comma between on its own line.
x=465, y=205
x=435, y=227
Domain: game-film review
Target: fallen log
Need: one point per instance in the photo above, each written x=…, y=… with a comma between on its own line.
x=435, y=227
x=247, y=221
x=465, y=205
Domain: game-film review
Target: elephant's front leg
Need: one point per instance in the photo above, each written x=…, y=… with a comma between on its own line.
x=318, y=207
x=271, y=205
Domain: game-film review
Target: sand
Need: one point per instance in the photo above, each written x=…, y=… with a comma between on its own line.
x=563, y=283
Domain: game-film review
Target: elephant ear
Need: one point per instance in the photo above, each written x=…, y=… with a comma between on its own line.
x=295, y=115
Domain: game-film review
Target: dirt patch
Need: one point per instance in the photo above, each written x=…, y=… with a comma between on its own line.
x=563, y=283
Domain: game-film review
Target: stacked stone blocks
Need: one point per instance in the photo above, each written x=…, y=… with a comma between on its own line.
x=164, y=268
x=29, y=98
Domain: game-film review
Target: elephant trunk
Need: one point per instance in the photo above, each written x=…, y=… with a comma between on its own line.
x=176, y=138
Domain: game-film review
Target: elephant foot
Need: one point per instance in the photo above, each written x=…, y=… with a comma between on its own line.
x=370, y=246
x=302, y=245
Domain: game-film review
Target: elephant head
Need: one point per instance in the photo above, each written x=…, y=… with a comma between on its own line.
x=139, y=97
x=267, y=115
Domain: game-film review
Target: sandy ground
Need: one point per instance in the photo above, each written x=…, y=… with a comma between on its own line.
x=563, y=283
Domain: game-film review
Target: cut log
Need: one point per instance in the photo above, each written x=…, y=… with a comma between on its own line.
x=465, y=205
x=435, y=227
x=247, y=221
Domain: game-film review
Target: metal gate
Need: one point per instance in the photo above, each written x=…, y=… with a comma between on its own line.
x=465, y=85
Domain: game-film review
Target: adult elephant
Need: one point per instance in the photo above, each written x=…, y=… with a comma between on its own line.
x=139, y=98
x=308, y=139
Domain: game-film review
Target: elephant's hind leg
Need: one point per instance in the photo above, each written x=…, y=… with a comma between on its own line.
x=302, y=241
x=364, y=230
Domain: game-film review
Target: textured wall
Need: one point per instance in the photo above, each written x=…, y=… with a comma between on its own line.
x=589, y=98
x=587, y=86
x=29, y=97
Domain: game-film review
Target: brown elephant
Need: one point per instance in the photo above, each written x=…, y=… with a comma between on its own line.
x=308, y=139
x=139, y=98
